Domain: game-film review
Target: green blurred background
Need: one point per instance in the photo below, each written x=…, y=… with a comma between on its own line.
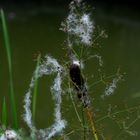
x=34, y=27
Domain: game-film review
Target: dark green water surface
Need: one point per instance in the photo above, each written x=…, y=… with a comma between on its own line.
x=33, y=30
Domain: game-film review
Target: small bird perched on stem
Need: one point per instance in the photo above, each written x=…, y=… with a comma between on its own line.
x=79, y=83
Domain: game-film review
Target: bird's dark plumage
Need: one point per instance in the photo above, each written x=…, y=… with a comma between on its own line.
x=79, y=83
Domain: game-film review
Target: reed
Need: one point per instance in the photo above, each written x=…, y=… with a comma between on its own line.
x=35, y=90
x=8, y=52
x=4, y=113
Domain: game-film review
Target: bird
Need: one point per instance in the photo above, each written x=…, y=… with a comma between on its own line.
x=78, y=82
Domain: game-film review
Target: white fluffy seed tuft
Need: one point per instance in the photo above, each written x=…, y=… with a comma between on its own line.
x=78, y=25
x=47, y=67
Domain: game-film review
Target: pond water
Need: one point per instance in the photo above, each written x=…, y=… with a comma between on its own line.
x=35, y=30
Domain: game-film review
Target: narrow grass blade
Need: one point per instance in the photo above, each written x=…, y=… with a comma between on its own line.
x=8, y=51
x=4, y=113
x=35, y=90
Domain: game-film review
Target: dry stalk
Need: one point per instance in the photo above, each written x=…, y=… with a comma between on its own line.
x=90, y=118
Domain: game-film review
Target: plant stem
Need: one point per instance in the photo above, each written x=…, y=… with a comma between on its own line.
x=91, y=121
x=4, y=113
x=74, y=106
x=84, y=123
x=8, y=51
x=35, y=89
x=118, y=112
